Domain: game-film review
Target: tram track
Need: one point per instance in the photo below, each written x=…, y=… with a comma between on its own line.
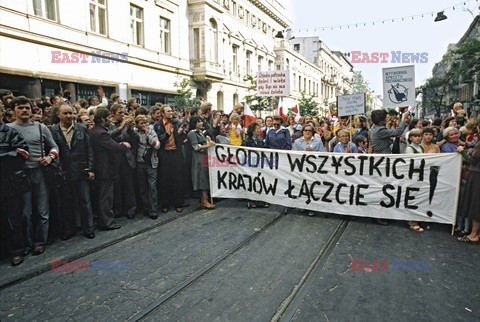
x=194, y=278
x=47, y=267
x=290, y=305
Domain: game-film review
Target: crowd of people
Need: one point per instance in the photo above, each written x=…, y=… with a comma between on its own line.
x=76, y=165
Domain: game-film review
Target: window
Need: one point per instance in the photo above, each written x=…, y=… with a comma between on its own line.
x=296, y=47
x=234, y=8
x=220, y=101
x=235, y=99
x=214, y=41
x=136, y=25
x=309, y=87
x=196, y=44
x=299, y=83
x=260, y=63
x=165, y=35
x=270, y=64
x=247, y=17
x=46, y=9
x=235, y=59
x=294, y=80
x=98, y=16
x=248, y=57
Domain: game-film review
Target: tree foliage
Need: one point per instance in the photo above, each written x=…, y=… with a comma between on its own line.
x=307, y=105
x=359, y=86
x=440, y=91
x=184, y=98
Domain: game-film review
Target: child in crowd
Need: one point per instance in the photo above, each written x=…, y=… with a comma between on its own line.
x=344, y=145
x=414, y=147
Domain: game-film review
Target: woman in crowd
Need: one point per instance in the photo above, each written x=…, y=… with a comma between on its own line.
x=360, y=124
x=471, y=202
x=147, y=163
x=254, y=140
x=279, y=137
x=235, y=130
x=200, y=144
x=451, y=140
x=308, y=142
x=222, y=137
x=344, y=145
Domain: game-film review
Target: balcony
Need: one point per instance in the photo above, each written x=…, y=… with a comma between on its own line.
x=207, y=70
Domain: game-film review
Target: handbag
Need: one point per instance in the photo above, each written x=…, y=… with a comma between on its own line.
x=54, y=176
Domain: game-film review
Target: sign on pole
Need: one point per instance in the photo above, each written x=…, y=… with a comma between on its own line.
x=273, y=83
x=351, y=104
x=399, y=86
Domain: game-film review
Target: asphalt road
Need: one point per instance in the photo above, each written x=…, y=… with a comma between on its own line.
x=235, y=264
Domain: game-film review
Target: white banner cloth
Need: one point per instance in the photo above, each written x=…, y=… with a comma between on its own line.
x=421, y=187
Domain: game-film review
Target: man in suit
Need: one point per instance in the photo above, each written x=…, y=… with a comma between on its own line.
x=172, y=164
x=106, y=171
x=76, y=159
x=121, y=130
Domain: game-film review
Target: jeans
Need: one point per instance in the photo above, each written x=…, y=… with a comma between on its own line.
x=36, y=210
x=147, y=183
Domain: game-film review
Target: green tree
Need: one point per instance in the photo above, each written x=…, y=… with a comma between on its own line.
x=184, y=98
x=307, y=105
x=360, y=86
x=256, y=103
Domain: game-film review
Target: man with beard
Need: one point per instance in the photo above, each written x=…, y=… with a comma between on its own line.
x=172, y=164
x=76, y=158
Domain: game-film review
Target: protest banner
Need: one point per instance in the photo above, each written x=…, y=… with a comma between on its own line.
x=273, y=83
x=399, y=86
x=348, y=105
x=420, y=187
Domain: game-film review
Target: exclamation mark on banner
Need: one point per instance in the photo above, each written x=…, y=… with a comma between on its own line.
x=433, y=185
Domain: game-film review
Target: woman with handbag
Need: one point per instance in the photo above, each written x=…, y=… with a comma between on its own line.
x=147, y=163
x=200, y=144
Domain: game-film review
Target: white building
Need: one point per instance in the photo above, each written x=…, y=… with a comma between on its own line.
x=304, y=76
x=149, y=45
x=232, y=39
x=337, y=71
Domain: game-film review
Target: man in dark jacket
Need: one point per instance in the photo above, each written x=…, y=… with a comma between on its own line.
x=76, y=159
x=106, y=171
x=13, y=154
x=172, y=164
x=121, y=130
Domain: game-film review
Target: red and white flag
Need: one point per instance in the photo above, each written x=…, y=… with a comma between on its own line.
x=296, y=110
x=248, y=116
x=279, y=110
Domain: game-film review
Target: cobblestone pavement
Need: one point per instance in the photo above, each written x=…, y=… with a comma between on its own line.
x=235, y=264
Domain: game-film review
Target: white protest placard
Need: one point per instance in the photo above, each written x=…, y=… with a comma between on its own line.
x=273, y=83
x=420, y=187
x=351, y=104
x=399, y=86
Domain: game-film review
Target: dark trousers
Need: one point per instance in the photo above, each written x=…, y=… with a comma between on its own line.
x=147, y=184
x=124, y=191
x=79, y=189
x=171, y=169
x=106, y=216
x=11, y=223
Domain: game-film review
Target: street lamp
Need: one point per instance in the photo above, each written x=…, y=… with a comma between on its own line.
x=440, y=16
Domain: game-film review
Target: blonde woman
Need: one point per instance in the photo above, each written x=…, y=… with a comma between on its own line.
x=235, y=130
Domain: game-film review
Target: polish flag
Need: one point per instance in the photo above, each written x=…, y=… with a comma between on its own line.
x=296, y=110
x=248, y=116
x=279, y=110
